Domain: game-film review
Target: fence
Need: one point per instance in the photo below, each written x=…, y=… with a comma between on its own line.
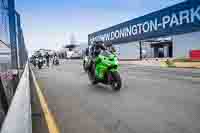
x=13, y=53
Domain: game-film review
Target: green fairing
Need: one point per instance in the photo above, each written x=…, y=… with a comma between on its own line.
x=106, y=62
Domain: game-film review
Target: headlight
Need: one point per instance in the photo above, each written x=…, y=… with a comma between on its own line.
x=116, y=61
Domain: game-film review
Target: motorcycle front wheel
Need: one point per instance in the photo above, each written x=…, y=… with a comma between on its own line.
x=116, y=82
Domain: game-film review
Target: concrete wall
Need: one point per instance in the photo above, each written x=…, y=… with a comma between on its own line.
x=182, y=44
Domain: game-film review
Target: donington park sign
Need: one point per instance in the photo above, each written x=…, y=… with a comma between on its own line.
x=178, y=19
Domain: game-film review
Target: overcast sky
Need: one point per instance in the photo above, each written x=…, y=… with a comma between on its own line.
x=48, y=24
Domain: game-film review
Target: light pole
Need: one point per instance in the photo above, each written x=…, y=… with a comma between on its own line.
x=140, y=45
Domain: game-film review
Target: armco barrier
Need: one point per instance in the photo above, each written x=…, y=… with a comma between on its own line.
x=18, y=119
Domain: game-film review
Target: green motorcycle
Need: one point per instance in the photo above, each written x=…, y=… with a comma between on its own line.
x=105, y=69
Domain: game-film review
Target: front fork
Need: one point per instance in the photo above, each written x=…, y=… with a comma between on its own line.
x=110, y=76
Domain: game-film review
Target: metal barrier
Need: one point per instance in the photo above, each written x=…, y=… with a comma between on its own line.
x=18, y=119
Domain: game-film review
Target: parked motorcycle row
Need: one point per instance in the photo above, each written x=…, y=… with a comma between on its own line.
x=102, y=66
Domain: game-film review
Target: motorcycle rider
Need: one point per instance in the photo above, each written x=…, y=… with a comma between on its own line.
x=40, y=56
x=111, y=48
x=34, y=61
x=98, y=46
x=47, y=56
x=55, y=58
x=96, y=49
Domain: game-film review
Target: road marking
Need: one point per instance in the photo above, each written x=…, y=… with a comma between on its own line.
x=51, y=123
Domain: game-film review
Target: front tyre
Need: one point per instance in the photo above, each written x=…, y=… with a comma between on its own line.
x=116, y=82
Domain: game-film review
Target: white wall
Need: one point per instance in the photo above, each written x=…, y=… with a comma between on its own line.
x=182, y=44
x=128, y=50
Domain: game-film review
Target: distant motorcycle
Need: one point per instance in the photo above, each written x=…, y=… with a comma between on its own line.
x=40, y=63
x=56, y=61
x=47, y=63
x=34, y=62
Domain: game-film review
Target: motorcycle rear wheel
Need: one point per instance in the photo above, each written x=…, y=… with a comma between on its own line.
x=91, y=75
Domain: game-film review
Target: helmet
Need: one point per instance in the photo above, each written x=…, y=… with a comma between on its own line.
x=108, y=44
x=98, y=41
